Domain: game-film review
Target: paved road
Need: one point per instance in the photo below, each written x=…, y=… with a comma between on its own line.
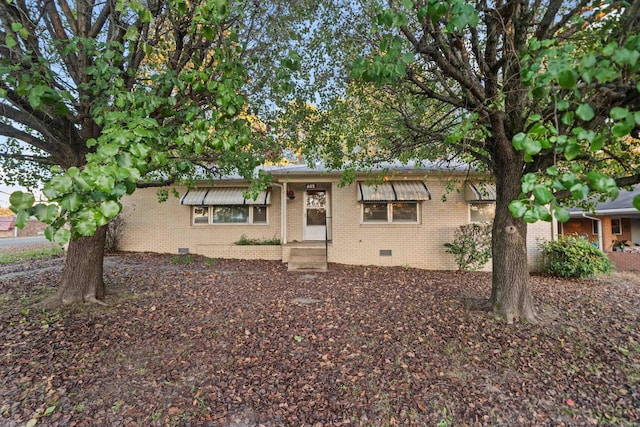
x=23, y=241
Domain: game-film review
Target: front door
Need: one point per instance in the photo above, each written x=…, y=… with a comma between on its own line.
x=315, y=214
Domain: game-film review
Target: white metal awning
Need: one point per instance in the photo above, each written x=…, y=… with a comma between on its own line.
x=393, y=191
x=223, y=196
x=475, y=191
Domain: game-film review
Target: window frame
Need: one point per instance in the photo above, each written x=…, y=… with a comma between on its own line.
x=210, y=211
x=619, y=221
x=472, y=204
x=389, y=213
x=595, y=228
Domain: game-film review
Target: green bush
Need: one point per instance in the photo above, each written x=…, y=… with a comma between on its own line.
x=245, y=241
x=471, y=245
x=573, y=257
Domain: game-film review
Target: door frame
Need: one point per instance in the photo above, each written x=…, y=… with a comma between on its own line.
x=307, y=234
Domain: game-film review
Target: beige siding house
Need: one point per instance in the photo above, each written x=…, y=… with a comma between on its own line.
x=399, y=221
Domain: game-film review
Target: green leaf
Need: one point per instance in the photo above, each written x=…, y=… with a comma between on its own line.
x=84, y=223
x=22, y=218
x=45, y=213
x=542, y=195
x=59, y=236
x=518, y=208
x=567, y=79
x=552, y=171
x=636, y=202
x=585, y=112
x=110, y=208
x=10, y=41
x=518, y=140
x=562, y=214
x=621, y=129
x=571, y=151
x=532, y=146
x=618, y=113
x=597, y=143
x=49, y=411
x=626, y=57
x=579, y=191
x=21, y=201
x=71, y=202
x=60, y=183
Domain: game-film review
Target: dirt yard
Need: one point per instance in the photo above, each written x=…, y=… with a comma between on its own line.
x=189, y=341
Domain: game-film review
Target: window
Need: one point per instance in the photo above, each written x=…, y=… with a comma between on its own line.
x=594, y=227
x=398, y=212
x=230, y=214
x=481, y=212
x=259, y=214
x=200, y=214
x=616, y=226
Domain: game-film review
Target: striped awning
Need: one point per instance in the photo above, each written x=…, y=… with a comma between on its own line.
x=475, y=191
x=223, y=196
x=393, y=191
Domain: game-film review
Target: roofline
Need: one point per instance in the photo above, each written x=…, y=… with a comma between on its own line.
x=630, y=211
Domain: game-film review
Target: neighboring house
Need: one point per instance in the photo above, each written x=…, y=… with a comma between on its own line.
x=402, y=221
x=7, y=226
x=614, y=226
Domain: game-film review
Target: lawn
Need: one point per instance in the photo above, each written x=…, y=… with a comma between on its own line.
x=202, y=342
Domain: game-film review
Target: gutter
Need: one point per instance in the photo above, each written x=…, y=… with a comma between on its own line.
x=600, y=242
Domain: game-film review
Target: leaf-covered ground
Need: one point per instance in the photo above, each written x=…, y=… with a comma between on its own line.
x=197, y=342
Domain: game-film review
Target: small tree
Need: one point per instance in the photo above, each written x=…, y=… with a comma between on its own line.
x=471, y=246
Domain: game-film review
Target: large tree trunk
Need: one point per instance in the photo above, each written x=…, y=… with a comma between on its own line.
x=510, y=294
x=82, y=275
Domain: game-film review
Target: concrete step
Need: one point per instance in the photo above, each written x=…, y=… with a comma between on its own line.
x=307, y=259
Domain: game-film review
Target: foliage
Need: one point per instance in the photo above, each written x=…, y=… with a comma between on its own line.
x=31, y=254
x=147, y=93
x=471, y=246
x=115, y=230
x=542, y=95
x=573, y=257
x=245, y=241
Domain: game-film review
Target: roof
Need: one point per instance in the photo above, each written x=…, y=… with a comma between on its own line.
x=319, y=168
x=7, y=223
x=622, y=205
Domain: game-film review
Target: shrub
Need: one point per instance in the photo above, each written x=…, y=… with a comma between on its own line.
x=471, y=245
x=245, y=241
x=573, y=257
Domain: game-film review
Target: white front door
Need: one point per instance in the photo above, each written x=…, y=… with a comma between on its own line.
x=315, y=214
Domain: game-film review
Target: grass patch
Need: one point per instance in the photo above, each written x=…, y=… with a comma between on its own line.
x=245, y=241
x=182, y=259
x=32, y=254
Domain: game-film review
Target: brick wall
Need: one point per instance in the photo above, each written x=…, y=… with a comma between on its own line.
x=166, y=227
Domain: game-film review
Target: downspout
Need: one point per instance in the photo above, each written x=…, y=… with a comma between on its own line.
x=283, y=211
x=600, y=243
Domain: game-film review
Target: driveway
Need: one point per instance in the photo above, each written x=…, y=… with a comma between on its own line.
x=14, y=242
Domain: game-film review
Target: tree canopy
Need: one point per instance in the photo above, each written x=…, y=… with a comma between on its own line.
x=105, y=94
x=543, y=95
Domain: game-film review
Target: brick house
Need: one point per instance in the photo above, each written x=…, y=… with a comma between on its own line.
x=400, y=221
x=613, y=226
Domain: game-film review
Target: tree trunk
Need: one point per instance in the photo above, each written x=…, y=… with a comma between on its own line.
x=82, y=275
x=510, y=293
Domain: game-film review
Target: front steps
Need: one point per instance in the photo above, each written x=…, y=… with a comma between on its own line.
x=307, y=259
